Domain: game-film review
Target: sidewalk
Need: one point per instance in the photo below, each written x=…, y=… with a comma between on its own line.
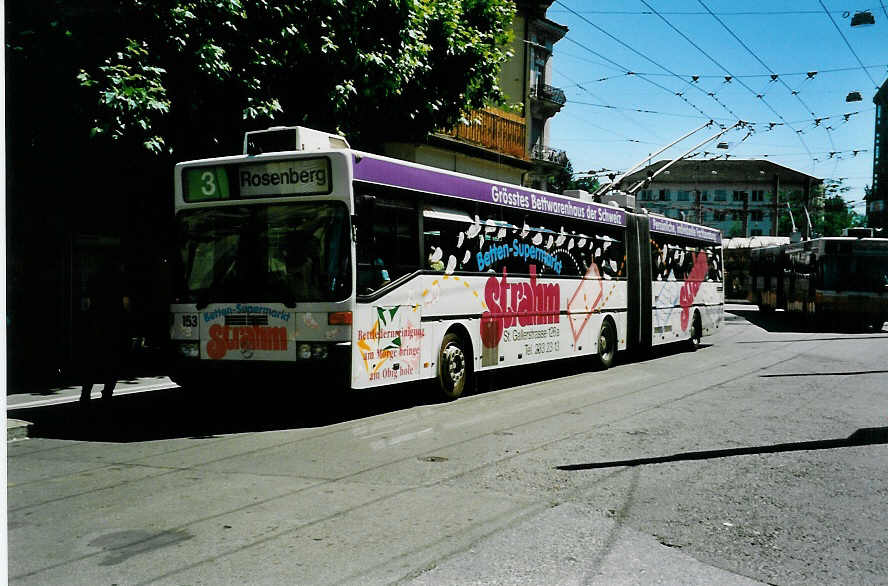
x=17, y=428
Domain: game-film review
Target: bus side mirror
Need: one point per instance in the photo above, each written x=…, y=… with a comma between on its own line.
x=366, y=211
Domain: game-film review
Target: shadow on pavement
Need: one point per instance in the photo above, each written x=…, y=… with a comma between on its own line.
x=862, y=437
x=783, y=322
x=267, y=406
x=178, y=413
x=550, y=371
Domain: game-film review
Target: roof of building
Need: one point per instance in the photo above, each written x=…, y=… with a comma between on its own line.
x=729, y=171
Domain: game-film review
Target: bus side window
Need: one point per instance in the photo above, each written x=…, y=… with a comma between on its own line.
x=446, y=246
x=387, y=249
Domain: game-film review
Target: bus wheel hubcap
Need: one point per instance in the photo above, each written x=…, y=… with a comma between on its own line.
x=453, y=359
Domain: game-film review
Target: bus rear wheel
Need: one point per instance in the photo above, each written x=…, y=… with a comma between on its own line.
x=696, y=332
x=454, y=366
x=607, y=345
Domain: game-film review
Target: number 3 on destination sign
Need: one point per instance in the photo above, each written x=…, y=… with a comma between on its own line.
x=209, y=183
x=206, y=184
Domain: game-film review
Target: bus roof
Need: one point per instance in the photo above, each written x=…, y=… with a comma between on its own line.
x=380, y=170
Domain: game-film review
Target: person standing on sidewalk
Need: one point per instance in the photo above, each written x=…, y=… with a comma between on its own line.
x=105, y=342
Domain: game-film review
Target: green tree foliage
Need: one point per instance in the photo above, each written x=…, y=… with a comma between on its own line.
x=191, y=75
x=828, y=219
x=565, y=178
x=838, y=215
x=103, y=96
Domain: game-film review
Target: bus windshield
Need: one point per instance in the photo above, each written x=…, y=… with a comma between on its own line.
x=295, y=252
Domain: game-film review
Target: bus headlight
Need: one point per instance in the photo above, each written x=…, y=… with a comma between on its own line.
x=189, y=349
x=312, y=351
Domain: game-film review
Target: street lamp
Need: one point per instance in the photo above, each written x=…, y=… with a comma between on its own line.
x=863, y=18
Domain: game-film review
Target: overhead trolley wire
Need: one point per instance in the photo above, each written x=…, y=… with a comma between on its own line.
x=605, y=104
x=623, y=137
x=696, y=46
x=815, y=121
x=642, y=55
x=696, y=13
x=629, y=72
x=774, y=76
x=744, y=76
x=640, y=110
x=850, y=48
x=759, y=96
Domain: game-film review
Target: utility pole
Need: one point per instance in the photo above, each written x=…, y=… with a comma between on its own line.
x=775, y=211
x=698, y=206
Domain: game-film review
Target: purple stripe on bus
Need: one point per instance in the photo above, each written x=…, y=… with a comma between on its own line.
x=667, y=226
x=395, y=174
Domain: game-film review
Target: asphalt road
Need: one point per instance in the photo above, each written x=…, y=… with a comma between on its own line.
x=759, y=458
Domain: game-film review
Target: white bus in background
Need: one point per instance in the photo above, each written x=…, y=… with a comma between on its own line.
x=305, y=256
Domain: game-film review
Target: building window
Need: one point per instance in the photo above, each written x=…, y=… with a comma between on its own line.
x=756, y=215
x=739, y=195
x=704, y=196
x=721, y=195
x=684, y=195
x=758, y=195
x=720, y=216
x=664, y=195
x=756, y=232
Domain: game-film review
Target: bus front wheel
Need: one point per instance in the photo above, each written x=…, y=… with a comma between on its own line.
x=607, y=345
x=454, y=366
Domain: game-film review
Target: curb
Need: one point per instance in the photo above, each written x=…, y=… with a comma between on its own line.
x=17, y=429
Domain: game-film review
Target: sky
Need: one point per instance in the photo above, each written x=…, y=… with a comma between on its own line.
x=622, y=57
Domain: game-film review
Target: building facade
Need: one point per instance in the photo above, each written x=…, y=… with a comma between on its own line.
x=509, y=145
x=877, y=199
x=737, y=197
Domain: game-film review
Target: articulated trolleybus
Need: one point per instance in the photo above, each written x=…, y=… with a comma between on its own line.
x=303, y=254
x=836, y=281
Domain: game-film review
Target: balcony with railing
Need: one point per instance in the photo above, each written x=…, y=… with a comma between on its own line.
x=548, y=155
x=550, y=93
x=546, y=99
x=493, y=129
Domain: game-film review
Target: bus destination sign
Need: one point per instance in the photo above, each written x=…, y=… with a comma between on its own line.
x=268, y=179
x=299, y=177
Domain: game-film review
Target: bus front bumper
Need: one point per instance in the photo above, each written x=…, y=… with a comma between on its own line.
x=332, y=370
